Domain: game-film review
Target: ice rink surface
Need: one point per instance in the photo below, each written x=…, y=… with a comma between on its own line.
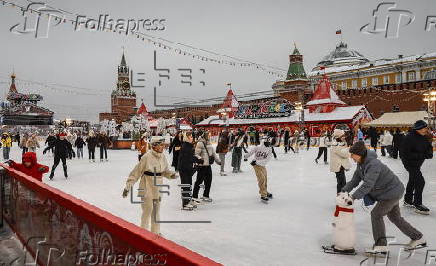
x=244, y=231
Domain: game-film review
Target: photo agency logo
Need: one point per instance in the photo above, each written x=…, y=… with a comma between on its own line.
x=109, y=257
x=388, y=20
x=38, y=18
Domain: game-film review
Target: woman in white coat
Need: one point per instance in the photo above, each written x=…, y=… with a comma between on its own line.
x=339, y=158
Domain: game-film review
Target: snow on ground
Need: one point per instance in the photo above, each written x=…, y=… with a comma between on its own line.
x=243, y=231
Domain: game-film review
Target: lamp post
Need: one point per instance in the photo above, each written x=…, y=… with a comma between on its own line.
x=430, y=98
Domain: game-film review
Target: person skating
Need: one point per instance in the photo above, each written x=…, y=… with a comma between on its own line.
x=339, y=158
x=30, y=166
x=23, y=143
x=79, y=143
x=49, y=141
x=222, y=148
x=174, y=147
x=6, y=142
x=103, y=142
x=91, y=140
x=142, y=146
x=262, y=154
x=373, y=136
x=381, y=185
x=63, y=149
x=416, y=148
x=396, y=143
x=237, y=147
x=187, y=160
x=150, y=170
x=307, y=137
x=205, y=152
x=273, y=140
x=32, y=143
x=323, y=144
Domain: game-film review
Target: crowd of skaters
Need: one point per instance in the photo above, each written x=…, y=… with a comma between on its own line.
x=192, y=152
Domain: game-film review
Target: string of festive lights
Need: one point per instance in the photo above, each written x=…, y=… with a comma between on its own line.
x=178, y=47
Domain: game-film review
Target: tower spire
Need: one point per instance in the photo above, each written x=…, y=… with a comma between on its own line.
x=123, y=59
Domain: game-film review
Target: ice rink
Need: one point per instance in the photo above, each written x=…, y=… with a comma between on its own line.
x=243, y=231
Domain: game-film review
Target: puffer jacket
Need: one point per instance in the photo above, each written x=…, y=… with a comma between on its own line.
x=35, y=170
x=339, y=156
x=6, y=141
x=32, y=142
x=378, y=180
x=324, y=142
x=201, y=153
x=152, y=162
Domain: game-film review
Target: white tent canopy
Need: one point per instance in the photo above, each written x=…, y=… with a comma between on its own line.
x=398, y=119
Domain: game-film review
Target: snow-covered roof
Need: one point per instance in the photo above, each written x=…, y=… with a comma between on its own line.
x=399, y=119
x=344, y=113
x=375, y=63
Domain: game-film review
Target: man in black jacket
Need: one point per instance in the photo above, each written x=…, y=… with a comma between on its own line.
x=414, y=150
x=62, y=149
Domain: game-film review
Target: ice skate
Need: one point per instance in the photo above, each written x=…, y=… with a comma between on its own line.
x=408, y=204
x=206, y=199
x=264, y=199
x=188, y=207
x=223, y=174
x=421, y=209
x=377, y=251
x=333, y=250
x=51, y=176
x=416, y=244
x=316, y=161
x=197, y=201
x=270, y=196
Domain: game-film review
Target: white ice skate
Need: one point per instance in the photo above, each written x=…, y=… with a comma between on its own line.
x=416, y=244
x=206, y=199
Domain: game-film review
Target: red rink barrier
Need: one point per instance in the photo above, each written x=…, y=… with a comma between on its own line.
x=59, y=229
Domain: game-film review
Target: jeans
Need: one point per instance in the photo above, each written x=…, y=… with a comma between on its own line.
x=321, y=151
x=415, y=186
x=391, y=209
x=6, y=151
x=91, y=152
x=79, y=153
x=222, y=157
x=103, y=150
x=204, y=174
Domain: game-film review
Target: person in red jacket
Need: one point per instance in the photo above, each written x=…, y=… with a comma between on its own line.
x=30, y=166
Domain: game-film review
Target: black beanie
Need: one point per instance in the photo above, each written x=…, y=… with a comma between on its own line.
x=358, y=148
x=420, y=124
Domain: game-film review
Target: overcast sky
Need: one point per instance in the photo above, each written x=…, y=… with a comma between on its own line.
x=256, y=30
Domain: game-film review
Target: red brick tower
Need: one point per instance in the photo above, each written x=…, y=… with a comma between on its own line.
x=123, y=98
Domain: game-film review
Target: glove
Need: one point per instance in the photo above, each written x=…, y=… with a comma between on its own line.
x=41, y=169
x=9, y=162
x=200, y=161
x=125, y=193
x=44, y=152
x=253, y=163
x=245, y=159
x=174, y=176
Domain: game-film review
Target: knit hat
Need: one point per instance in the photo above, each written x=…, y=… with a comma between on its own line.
x=358, y=148
x=157, y=141
x=420, y=124
x=337, y=133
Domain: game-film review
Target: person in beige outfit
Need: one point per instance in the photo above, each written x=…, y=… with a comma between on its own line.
x=339, y=158
x=152, y=163
x=32, y=143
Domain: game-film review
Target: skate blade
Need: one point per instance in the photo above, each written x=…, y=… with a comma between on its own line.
x=381, y=255
x=422, y=212
x=415, y=248
x=332, y=250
